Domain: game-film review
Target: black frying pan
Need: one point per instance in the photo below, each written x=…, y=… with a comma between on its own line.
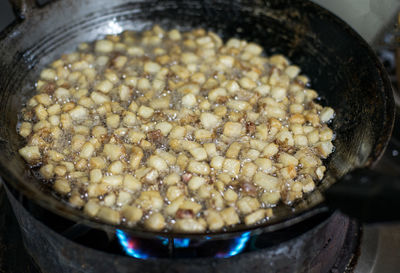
x=342, y=67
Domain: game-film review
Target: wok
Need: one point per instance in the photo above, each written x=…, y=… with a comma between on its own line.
x=341, y=66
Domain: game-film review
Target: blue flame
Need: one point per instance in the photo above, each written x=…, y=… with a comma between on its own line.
x=132, y=249
x=178, y=242
x=164, y=241
x=181, y=242
x=129, y=246
x=237, y=247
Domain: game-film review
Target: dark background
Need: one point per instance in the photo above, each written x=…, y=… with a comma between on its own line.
x=6, y=14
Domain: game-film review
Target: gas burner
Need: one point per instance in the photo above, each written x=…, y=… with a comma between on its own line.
x=330, y=247
x=182, y=247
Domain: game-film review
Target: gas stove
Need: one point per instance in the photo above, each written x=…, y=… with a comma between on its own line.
x=338, y=245
x=334, y=248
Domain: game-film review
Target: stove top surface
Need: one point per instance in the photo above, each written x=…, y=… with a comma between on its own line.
x=13, y=256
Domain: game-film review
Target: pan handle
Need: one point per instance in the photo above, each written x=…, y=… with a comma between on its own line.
x=22, y=8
